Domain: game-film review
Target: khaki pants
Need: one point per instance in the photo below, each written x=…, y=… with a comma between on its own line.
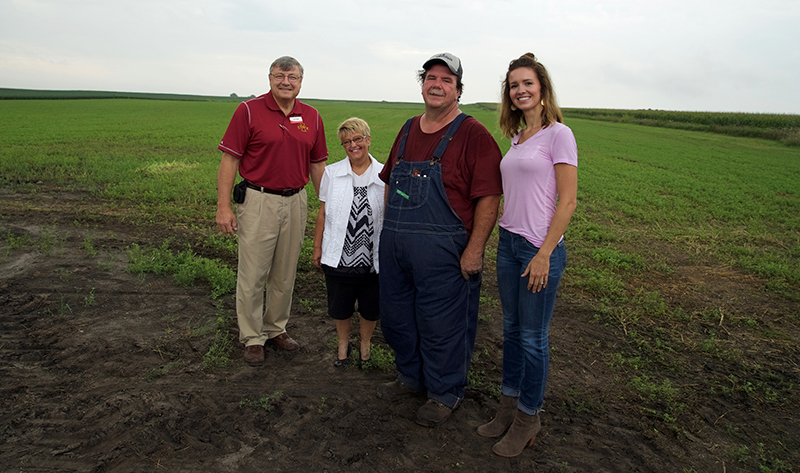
x=271, y=229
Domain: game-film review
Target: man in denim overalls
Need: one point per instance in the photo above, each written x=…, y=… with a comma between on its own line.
x=443, y=190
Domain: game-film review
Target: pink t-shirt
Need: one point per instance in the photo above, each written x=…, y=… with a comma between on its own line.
x=529, y=180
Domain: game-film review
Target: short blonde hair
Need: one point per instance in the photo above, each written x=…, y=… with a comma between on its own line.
x=353, y=125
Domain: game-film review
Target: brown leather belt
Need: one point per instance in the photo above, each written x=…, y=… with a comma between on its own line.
x=283, y=192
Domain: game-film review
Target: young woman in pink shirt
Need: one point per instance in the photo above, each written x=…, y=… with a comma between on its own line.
x=540, y=181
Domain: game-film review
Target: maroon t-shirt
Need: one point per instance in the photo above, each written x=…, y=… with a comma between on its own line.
x=274, y=150
x=470, y=165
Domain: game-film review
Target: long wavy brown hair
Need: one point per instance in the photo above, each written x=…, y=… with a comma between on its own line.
x=511, y=119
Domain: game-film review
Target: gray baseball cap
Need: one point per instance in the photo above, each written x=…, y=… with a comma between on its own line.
x=450, y=60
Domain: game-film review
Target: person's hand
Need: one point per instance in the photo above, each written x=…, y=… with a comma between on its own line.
x=316, y=257
x=226, y=221
x=537, y=271
x=471, y=262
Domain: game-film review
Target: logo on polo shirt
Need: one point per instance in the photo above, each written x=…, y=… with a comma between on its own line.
x=300, y=124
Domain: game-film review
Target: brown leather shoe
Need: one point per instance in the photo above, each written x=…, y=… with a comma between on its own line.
x=254, y=355
x=394, y=390
x=285, y=342
x=432, y=413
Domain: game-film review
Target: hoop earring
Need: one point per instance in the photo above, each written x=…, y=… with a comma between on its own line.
x=513, y=108
x=542, y=103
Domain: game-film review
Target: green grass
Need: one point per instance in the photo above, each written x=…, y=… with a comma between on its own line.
x=163, y=370
x=185, y=266
x=652, y=202
x=89, y=299
x=89, y=246
x=780, y=127
x=33, y=94
x=219, y=353
x=266, y=403
x=735, y=199
x=11, y=241
x=381, y=359
x=155, y=161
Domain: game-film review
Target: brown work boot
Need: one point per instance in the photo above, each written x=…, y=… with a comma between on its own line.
x=285, y=342
x=254, y=355
x=432, y=413
x=394, y=390
x=502, y=420
x=521, y=434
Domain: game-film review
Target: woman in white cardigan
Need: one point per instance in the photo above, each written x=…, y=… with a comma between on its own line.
x=347, y=237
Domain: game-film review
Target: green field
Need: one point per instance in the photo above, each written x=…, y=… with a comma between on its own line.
x=779, y=127
x=685, y=244
x=735, y=199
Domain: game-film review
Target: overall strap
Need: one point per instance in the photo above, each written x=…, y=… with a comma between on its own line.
x=448, y=136
x=402, y=149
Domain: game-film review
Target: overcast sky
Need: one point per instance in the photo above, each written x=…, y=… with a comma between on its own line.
x=709, y=55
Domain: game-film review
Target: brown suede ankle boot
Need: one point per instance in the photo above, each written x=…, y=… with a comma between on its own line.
x=502, y=420
x=521, y=434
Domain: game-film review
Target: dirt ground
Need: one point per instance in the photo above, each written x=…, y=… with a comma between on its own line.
x=102, y=371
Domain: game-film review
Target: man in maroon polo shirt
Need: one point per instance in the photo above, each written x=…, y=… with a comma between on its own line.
x=275, y=142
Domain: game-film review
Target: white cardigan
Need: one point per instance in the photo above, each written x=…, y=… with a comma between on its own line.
x=338, y=198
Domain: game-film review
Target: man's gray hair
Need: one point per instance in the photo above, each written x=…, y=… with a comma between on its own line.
x=286, y=63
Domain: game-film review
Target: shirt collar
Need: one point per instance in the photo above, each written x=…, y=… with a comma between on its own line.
x=373, y=169
x=273, y=105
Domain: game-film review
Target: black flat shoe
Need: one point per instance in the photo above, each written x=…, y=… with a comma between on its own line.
x=347, y=361
x=343, y=363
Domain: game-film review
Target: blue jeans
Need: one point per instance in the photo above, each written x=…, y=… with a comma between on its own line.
x=526, y=320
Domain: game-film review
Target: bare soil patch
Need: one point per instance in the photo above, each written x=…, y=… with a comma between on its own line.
x=103, y=371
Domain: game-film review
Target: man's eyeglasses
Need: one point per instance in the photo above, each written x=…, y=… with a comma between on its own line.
x=356, y=141
x=291, y=77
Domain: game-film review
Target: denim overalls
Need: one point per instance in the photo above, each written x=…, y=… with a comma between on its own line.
x=429, y=312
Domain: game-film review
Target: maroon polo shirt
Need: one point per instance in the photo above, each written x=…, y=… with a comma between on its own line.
x=470, y=165
x=274, y=150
